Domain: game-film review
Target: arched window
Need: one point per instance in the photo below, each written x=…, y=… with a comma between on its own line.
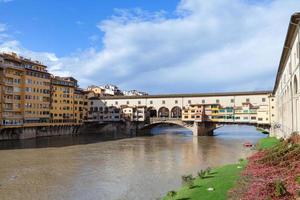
x=163, y=112
x=152, y=112
x=295, y=85
x=176, y=112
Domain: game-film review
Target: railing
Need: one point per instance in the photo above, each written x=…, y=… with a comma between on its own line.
x=12, y=66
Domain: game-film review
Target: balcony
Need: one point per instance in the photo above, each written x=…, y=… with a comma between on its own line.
x=8, y=83
x=8, y=100
x=8, y=91
x=12, y=116
x=11, y=65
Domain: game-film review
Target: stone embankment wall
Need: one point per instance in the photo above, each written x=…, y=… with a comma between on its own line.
x=33, y=132
x=115, y=130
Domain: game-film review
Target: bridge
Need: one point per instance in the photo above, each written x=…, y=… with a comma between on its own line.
x=190, y=110
x=192, y=126
x=204, y=128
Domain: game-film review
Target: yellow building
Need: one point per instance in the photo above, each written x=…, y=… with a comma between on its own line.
x=62, y=100
x=193, y=112
x=25, y=91
x=80, y=105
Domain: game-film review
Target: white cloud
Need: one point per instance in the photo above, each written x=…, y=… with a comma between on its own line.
x=207, y=46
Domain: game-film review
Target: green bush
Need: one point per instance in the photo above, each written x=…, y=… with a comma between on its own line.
x=188, y=180
x=171, y=194
x=201, y=174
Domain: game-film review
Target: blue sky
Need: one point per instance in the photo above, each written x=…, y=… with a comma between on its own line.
x=65, y=26
x=156, y=46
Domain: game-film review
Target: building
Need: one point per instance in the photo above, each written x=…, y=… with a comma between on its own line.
x=134, y=93
x=226, y=114
x=98, y=90
x=193, y=112
x=247, y=113
x=263, y=115
x=100, y=112
x=286, y=89
x=62, y=100
x=112, y=90
x=25, y=91
x=138, y=113
x=171, y=106
x=80, y=105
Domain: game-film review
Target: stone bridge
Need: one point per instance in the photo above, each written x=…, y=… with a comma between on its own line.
x=197, y=128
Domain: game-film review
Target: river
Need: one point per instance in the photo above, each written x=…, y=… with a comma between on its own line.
x=142, y=168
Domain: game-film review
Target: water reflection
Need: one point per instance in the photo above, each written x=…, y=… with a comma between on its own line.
x=136, y=168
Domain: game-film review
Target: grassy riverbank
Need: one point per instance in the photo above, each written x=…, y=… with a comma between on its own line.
x=221, y=179
x=267, y=143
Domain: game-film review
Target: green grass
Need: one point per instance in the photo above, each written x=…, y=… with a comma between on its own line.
x=221, y=179
x=266, y=143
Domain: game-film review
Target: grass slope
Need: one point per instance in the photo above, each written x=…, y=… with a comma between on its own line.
x=267, y=143
x=221, y=179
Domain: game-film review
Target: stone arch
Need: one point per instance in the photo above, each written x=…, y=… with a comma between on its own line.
x=152, y=112
x=296, y=87
x=176, y=112
x=163, y=112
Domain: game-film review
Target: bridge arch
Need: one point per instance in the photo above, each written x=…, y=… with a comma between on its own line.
x=163, y=112
x=176, y=112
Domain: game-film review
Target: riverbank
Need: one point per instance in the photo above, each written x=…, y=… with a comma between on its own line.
x=216, y=184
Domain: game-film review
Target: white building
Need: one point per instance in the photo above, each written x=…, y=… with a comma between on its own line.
x=286, y=90
x=112, y=90
x=134, y=93
x=138, y=113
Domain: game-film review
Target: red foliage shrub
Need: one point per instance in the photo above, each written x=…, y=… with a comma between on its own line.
x=271, y=174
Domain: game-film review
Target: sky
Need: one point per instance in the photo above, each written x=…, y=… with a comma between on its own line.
x=171, y=46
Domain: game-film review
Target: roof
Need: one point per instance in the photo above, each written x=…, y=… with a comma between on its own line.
x=190, y=95
x=295, y=19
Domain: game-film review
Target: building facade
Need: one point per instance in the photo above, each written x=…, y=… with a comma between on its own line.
x=25, y=92
x=286, y=89
x=62, y=101
x=215, y=107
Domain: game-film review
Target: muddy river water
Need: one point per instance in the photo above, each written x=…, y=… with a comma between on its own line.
x=81, y=167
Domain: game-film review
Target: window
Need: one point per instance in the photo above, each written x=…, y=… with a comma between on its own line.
x=232, y=100
x=217, y=101
x=247, y=100
x=151, y=102
x=263, y=99
x=203, y=101
x=163, y=101
x=176, y=102
x=298, y=49
x=189, y=101
x=116, y=103
x=139, y=102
